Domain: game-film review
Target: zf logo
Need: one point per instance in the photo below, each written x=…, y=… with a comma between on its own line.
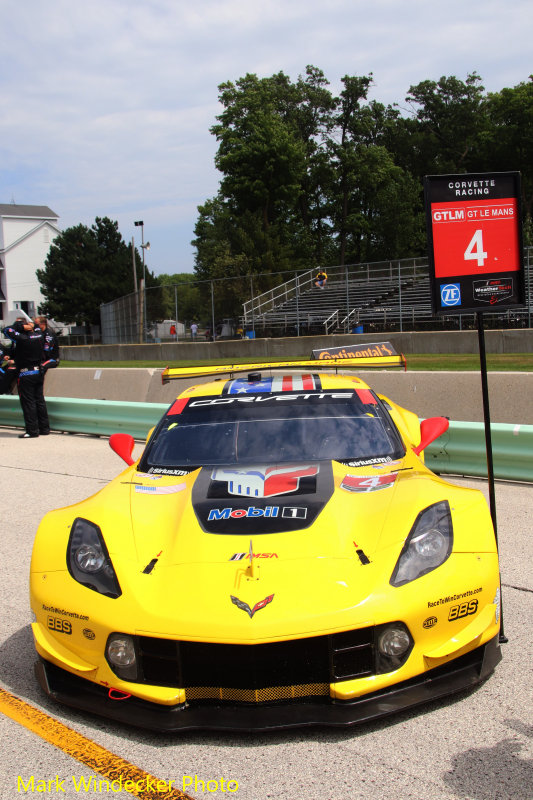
x=59, y=625
x=450, y=294
x=464, y=610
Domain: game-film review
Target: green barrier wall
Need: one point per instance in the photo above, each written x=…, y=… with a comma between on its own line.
x=461, y=450
x=100, y=417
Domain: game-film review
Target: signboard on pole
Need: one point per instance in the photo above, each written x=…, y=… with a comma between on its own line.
x=475, y=242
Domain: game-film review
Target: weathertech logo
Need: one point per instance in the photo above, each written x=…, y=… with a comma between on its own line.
x=251, y=611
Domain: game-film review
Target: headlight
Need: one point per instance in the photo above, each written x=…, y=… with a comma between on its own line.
x=88, y=560
x=122, y=656
x=428, y=545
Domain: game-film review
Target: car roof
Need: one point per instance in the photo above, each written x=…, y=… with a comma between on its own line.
x=273, y=383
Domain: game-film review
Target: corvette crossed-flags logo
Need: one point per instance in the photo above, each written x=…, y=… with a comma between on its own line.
x=251, y=611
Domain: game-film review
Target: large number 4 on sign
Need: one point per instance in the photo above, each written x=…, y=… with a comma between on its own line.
x=474, y=251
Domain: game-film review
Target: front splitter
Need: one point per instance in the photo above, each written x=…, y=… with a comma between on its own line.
x=455, y=676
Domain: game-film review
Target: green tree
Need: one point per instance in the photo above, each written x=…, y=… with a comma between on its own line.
x=508, y=141
x=182, y=291
x=451, y=119
x=86, y=267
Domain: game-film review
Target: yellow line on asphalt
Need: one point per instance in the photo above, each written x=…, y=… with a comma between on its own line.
x=97, y=758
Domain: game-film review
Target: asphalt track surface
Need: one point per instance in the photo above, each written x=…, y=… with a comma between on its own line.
x=475, y=746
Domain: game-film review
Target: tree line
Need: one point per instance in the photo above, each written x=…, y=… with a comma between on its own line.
x=310, y=178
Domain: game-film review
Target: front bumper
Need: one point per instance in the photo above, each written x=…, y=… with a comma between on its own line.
x=462, y=673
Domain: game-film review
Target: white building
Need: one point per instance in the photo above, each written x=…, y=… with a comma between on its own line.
x=26, y=233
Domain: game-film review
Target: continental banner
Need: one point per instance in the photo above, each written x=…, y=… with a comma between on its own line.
x=374, y=350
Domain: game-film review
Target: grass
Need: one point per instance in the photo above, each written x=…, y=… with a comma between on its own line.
x=496, y=362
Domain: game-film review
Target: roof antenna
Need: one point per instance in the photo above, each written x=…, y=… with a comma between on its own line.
x=251, y=554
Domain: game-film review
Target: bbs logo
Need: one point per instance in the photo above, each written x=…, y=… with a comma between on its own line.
x=59, y=625
x=463, y=610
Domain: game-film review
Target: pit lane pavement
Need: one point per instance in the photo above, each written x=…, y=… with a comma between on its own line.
x=476, y=746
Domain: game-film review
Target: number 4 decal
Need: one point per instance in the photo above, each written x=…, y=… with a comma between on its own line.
x=474, y=251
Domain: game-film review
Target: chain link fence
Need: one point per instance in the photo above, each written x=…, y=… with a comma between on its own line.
x=372, y=297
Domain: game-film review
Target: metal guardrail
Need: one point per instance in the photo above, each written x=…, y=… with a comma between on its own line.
x=98, y=417
x=460, y=451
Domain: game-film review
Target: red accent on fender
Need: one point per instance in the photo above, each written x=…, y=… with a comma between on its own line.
x=178, y=406
x=308, y=382
x=366, y=397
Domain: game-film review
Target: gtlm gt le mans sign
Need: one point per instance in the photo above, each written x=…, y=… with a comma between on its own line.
x=475, y=242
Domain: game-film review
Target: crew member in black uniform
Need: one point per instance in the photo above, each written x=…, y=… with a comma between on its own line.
x=51, y=347
x=28, y=357
x=8, y=373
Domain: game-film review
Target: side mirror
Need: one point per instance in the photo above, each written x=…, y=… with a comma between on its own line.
x=123, y=444
x=431, y=429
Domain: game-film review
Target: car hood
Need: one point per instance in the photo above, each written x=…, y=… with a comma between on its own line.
x=211, y=560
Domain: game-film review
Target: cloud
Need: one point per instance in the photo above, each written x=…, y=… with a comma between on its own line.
x=107, y=105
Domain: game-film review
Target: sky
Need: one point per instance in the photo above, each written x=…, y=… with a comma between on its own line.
x=106, y=105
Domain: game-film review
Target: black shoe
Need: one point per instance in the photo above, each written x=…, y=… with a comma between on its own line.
x=44, y=433
x=28, y=435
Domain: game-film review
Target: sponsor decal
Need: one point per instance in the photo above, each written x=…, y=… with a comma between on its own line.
x=89, y=634
x=277, y=398
x=379, y=349
x=251, y=611
x=368, y=462
x=264, y=481
x=62, y=613
x=429, y=622
x=368, y=483
x=59, y=625
x=452, y=597
x=450, y=294
x=492, y=291
x=240, y=513
x=241, y=556
x=462, y=610
x=160, y=489
x=164, y=471
x=293, y=512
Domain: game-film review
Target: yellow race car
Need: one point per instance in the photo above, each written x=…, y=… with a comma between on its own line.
x=278, y=556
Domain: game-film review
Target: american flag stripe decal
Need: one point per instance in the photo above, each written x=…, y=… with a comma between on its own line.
x=294, y=383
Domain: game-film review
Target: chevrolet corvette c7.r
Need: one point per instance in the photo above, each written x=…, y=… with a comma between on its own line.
x=279, y=555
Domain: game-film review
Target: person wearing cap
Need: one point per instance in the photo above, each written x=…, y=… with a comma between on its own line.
x=28, y=357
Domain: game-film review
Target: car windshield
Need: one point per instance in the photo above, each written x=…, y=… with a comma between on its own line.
x=273, y=429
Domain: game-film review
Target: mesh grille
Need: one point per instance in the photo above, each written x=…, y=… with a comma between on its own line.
x=257, y=673
x=269, y=694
